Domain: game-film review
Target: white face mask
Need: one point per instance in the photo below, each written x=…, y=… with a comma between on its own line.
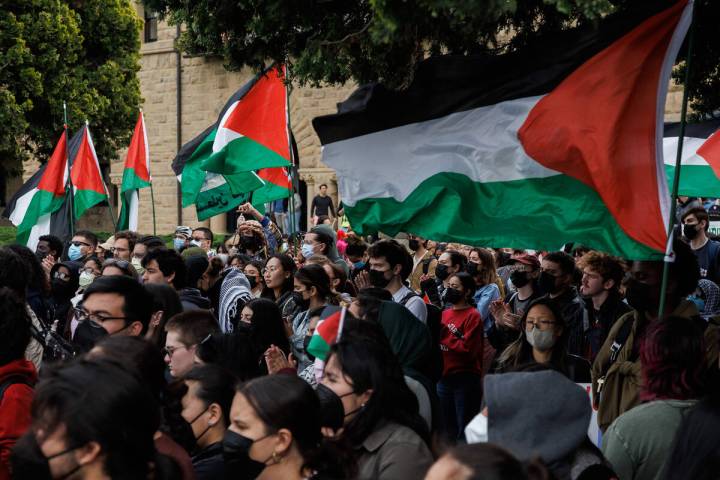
x=86, y=278
x=137, y=263
x=477, y=430
x=542, y=340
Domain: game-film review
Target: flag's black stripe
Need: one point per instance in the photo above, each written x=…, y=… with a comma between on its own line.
x=693, y=130
x=74, y=145
x=60, y=222
x=447, y=84
x=26, y=187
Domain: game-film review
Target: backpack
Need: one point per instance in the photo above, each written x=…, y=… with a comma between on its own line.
x=434, y=323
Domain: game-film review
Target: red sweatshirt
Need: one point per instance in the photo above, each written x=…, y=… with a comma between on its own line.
x=461, y=341
x=14, y=409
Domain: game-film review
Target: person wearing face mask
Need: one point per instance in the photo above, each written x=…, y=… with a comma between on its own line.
x=450, y=262
x=695, y=225
x=376, y=409
x=424, y=262
x=110, y=437
x=252, y=272
x=557, y=281
x=312, y=291
x=82, y=246
x=64, y=282
x=543, y=340
x=190, y=295
x=91, y=269
x=261, y=320
x=356, y=255
x=279, y=275
x=182, y=238
x=461, y=343
x=275, y=434
x=206, y=407
x=482, y=270
x=616, y=373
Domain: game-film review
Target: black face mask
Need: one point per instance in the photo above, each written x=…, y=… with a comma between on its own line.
x=249, y=242
x=519, y=279
x=453, y=295
x=377, y=279
x=244, y=327
x=690, y=231
x=441, y=272
x=414, y=244
x=87, y=334
x=306, y=342
x=41, y=255
x=236, y=455
x=640, y=296
x=547, y=283
x=61, y=289
x=252, y=280
x=28, y=460
x=332, y=412
x=301, y=302
x=472, y=269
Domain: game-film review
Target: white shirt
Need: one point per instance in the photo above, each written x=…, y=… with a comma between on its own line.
x=416, y=305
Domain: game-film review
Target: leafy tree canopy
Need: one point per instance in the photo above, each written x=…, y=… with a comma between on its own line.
x=84, y=52
x=333, y=41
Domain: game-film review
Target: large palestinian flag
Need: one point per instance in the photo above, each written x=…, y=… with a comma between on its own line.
x=36, y=208
x=700, y=168
x=217, y=168
x=88, y=185
x=136, y=175
x=558, y=142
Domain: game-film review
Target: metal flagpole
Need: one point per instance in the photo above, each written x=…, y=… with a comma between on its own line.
x=291, y=170
x=68, y=183
x=678, y=164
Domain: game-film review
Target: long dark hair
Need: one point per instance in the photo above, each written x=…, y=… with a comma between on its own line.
x=267, y=326
x=286, y=401
x=490, y=462
x=100, y=401
x=36, y=276
x=234, y=352
x=165, y=298
x=288, y=266
x=520, y=351
x=316, y=276
x=369, y=362
x=469, y=285
x=215, y=385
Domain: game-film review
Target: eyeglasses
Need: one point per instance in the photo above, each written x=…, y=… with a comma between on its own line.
x=61, y=275
x=270, y=270
x=78, y=243
x=119, y=249
x=539, y=324
x=199, y=239
x=170, y=351
x=82, y=315
x=87, y=270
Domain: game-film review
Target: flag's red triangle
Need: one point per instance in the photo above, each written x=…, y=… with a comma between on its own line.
x=137, y=152
x=276, y=175
x=261, y=114
x=85, y=171
x=54, y=178
x=599, y=126
x=710, y=152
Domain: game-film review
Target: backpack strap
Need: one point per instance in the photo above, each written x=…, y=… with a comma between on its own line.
x=13, y=380
x=407, y=298
x=620, y=339
x=426, y=265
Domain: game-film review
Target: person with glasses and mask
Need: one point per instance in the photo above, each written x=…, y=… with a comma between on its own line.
x=111, y=306
x=90, y=270
x=543, y=340
x=64, y=282
x=184, y=332
x=203, y=237
x=82, y=245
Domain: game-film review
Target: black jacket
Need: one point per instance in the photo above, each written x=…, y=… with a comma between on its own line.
x=597, y=324
x=192, y=299
x=572, y=308
x=208, y=463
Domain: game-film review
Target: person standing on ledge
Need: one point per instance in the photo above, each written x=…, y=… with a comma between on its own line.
x=322, y=205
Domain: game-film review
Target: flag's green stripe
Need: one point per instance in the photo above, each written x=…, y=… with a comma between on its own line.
x=131, y=181
x=243, y=182
x=123, y=222
x=218, y=200
x=540, y=214
x=42, y=202
x=243, y=155
x=85, y=199
x=695, y=180
x=270, y=192
x=192, y=175
x=318, y=347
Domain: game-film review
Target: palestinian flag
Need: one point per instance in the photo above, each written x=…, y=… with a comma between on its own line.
x=558, y=142
x=277, y=185
x=216, y=168
x=135, y=176
x=36, y=208
x=700, y=170
x=326, y=334
x=88, y=185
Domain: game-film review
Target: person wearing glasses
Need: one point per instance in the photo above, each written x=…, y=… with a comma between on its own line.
x=185, y=332
x=203, y=238
x=114, y=305
x=543, y=339
x=82, y=246
x=124, y=244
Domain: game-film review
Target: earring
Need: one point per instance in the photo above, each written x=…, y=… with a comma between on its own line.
x=276, y=457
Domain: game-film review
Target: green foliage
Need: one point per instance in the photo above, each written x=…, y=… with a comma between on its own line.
x=84, y=52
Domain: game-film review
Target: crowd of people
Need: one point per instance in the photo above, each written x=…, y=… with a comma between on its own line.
x=328, y=355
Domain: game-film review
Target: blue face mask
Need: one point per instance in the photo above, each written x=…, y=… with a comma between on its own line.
x=178, y=243
x=699, y=302
x=74, y=253
x=307, y=250
x=359, y=265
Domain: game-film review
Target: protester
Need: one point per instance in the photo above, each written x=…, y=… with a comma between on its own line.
x=142, y=247
x=82, y=245
x=203, y=237
x=321, y=240
x=322, y=205
x=707, y=299
x=267, y=235
x=17, y=375
x=696, y=224
x=483, y=273
x=124, y=245
x=449, y=263
x=252, y=272
x=390, y=265
x=544, y=340
x=424, y=262
x=165, y=266
x=601, y=278
x=113, y=267
x=184, y=332
x=166, y=304
x=461, y=342
x=38, y=288
x=91, y=269
x=234, y=294
x=49, y=246
x=275, y=433
x=639, y=441
x=523, y=272
x=190, y=295
x=206, y=407
x=211, y=282
x=356, y=254
x=234, y=352
x=486, y=462
x=557, y=280
x=379, y=412
x=616, y=369
x=279, y=275
x=110, y=437
x=262, y=321
x=64, y=282
x=182, y=238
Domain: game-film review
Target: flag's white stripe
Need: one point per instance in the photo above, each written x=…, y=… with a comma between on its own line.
x=689, y=156
x=212, y=180
x=147, y=148
x=42, y=227
x=223, y=136
x=481, y=144
x=133, y=210
x=95, y=157
x=663, y=81
x=21, y=206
